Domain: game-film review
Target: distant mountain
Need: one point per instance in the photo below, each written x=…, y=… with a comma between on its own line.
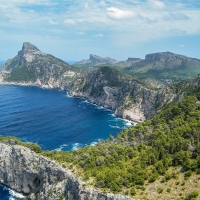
x=156, y=70
x=95, y=60
x=31, y=66
x=161, y=69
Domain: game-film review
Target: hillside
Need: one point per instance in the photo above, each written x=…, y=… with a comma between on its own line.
x=127, y=97
x=31, y=66
x=156, y=159
x=158, y=69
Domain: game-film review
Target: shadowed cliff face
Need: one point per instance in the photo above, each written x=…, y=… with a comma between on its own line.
x=42, y=179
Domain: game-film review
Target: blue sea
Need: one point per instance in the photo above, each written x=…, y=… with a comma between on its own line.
x=54, y=120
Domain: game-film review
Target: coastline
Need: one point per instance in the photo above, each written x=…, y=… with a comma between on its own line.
x=14, y=195
x=133, y=123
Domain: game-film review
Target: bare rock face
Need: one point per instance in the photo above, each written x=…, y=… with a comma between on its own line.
x=28, y=53
x=42, y=179
x=111, y=89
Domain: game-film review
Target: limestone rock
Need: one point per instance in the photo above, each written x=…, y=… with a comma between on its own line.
x=39, y=178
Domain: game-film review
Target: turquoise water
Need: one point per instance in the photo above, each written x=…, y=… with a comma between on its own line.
x=53, y=119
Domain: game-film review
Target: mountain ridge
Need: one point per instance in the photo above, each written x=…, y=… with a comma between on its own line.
x=158, y=69
x=97, y=60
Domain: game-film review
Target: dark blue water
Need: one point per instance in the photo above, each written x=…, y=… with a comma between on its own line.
x=7, y=194
x=52, y=119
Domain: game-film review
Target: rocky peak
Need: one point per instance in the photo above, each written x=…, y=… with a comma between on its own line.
x=27, y=46
x=162, y=56
x=27, y=53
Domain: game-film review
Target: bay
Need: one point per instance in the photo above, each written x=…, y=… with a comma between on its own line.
x=53, y=119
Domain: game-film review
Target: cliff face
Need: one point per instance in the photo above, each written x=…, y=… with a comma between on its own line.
x=40, y=178
x=112, y=89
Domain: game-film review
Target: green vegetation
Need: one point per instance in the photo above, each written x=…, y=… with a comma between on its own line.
x=156, y=72
x=145, y=152
x=41, y=67
x=21, y=74
x=13, y=140
x=193, y=195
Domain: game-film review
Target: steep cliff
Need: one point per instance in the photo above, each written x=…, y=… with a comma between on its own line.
x=112, y=89
x=40, y=178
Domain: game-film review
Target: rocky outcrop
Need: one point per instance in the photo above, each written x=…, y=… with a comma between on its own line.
x=40, y=178
x=112, y=89
x=33, y=67
x=94, y=59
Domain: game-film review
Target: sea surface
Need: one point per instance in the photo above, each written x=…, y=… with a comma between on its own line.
x=53, y=119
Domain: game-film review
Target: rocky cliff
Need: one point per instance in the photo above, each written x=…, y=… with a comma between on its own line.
x=112, y=89
x=40, y=178
x=33, y=67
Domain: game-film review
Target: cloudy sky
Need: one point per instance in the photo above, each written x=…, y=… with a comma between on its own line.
x=73, y=29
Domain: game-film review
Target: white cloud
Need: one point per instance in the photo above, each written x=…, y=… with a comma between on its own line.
x=156, y=4
x=69, y=22
x=125, y=21
x=86, y=5
x=117, y=14
x=80, y=33
x=98, y=35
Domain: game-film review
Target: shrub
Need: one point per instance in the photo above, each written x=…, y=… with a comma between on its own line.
x=132, y=192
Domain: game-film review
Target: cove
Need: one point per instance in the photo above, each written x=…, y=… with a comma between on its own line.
x=54, y=120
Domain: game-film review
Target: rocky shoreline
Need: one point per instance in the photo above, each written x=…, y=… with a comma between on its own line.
x=39, y=178
x=133, y=122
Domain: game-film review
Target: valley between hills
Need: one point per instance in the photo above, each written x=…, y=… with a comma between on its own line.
x=159, y=158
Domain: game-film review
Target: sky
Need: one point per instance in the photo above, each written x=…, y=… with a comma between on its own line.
x=73, y=29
